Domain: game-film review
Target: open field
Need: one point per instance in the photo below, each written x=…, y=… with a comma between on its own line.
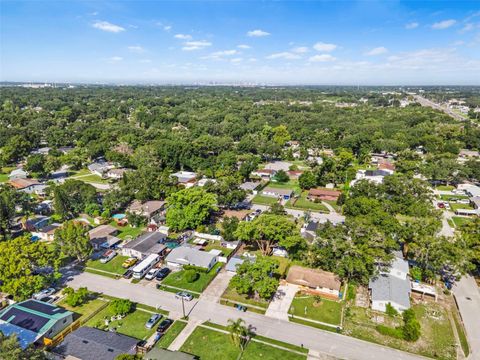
x=327, y=311
x=264, y=200
x=303, y=203
x=113, y=266
x=177, y=279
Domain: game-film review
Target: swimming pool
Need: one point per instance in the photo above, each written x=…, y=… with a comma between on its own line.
x=119, y=216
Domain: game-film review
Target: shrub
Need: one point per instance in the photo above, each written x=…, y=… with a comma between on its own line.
x=76, y=298
x=411, y=328
x=389, y=331
x=121, y=306
x=196, y=268
x=190, y=276
x=390, y=310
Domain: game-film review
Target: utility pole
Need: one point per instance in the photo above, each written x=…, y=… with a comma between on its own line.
x=183, y=307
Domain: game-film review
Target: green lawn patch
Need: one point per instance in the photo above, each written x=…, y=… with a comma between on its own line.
x=292, y=185
x=264, y=200
x=171, y=334
x=315, y=325
x=282, y=344
x=177, y=279
x=303, y=203
x=210, y=344
x=226, y=252
x=232, y=295
x=97, y=272
x=456, y=206
x=326, y=311
x=445, y=187
x=84, y=310
x=113, y=266
x=459, y=221
x=461, y=333
x=128, y=230
x=450, y=197
x=3, y=178
x=249, y=308
x=131, y=325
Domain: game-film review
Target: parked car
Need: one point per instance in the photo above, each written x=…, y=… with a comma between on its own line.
x=152, y=321
x=162, y=273
x=164, y=325
x=447, y=206
x=49, y=299
x=129, y=262
x=128, y=274
x=441, y=205
x=41, y=294
x=185, y=295
x=107, y=256
x=463, y=201
x=151, y=274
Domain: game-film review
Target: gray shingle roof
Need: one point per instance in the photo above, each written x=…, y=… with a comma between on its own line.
x=148, y=243
x=187, y=255
x=92, y=344
x=392, y=289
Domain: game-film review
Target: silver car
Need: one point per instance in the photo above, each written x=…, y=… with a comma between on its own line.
x=152, y=321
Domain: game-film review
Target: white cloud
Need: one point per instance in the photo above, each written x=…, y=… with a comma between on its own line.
x=115, y=59
x=236, y=60
x=284, y=55
x=136, y=49
x=300, y=50
x=219, y=55
x=257, y=33
x=145, y=61
x=243, y=46
x=412, y=25
x=106, y=26
x=322, y=58
x=467, y=27
x=167, y=27
x=320, y=46
x=183, y=36
x=445, y=24
x=252, y=59
x=376, y=51
x=196, y=45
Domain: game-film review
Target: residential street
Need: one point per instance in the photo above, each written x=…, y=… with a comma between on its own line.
x=317, y=340
x=467, y=295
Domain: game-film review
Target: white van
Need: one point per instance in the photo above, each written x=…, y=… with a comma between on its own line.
x=141, y=269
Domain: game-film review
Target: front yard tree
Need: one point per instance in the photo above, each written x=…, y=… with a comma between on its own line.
x=10, y=349
x=239, y=333
x=72, y=240
x=307, y=180
x=266, y=231
x=257, y=279
x=190, y=208
x=281, y=176
x=19, y=258
x=7, y=209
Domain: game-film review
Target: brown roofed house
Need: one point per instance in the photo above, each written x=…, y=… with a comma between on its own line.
x=323, y=194
x=317, y=281
x=147, y=209
x=103, y=236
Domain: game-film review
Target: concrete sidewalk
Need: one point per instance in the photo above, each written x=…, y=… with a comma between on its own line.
x=183, y=336
x=217, y=287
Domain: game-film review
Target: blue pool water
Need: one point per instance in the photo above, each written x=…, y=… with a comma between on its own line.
x=119, y=216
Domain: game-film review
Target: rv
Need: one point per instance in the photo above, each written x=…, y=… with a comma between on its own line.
x=141, y=269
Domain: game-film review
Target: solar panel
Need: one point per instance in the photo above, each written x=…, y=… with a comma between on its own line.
x=42, y=307
x=24, y=319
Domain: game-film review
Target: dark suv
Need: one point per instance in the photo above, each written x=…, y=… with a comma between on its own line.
x=164, y=325
x=162, y=274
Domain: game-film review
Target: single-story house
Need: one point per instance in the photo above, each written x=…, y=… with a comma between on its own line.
x=315, y=280
x=250, y=186
x=239, y=214
x=41, y=151
x=475, y=202
x=33, y=321
x=375, y=176
x=185, y=255
x=100, y=167
x=36, y=223
x=115, y=174
x=147, y=209
x=88, y=343
x=146, y=244
x=203, y=181
x=47, y=233
x=472, y=190
x=103, y=237
x=285, y=194
x=164, y=354
x=187, y=178
x=309, y=231
x=264, y=173
x=323, y=194
x=294, y=174
x=18, y=174
x=392, y=286
x=29, y=186
x=278, y=165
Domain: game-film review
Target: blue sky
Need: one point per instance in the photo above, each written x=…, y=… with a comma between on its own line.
x=275, y=42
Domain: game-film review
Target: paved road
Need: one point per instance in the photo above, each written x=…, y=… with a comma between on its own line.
x=320, y=341
x=467, y=295
x=425, y=102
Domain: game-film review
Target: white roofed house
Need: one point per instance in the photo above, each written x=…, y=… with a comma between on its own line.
x=186, y=178
x=100, y=167
x=285, y=194
x=115, y=174
x=146, y=244
x=185, y=255
x=391, y=287
x=18, y=174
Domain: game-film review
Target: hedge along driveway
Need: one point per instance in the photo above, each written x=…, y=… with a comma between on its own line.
x=177, y=279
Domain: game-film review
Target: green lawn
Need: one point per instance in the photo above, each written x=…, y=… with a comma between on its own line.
x=177, y=279
x=132, y=325
x=456, y=206
x=128, y=230
x=459, y=221
x=304, y=204
x=85, y=309
x=445, y=187
x=327, y=311
x=224, y=250
x=171, y=334
x=212, y=345
x=3, y=178
x=232, y=295
x=436, y=340
x=264, y=200
x=292, y=185
x=449, y=197
x=113, y=266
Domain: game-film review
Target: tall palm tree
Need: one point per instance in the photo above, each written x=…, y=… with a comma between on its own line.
x=239, y=333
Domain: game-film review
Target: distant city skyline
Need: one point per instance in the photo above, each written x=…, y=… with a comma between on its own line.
x=287, y=43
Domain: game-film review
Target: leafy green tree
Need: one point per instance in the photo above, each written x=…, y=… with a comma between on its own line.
x=72, y=240
x=72, y=197
x=239, y=333
x=257, y=279
x=307, y=180
x=121, y=306
x=10, y=349
x=411, y=328
x=190, y=275
x=20, y=259
x=229, y=226
x=265, y=231
x=76, y=298
x=7, y=209
x=190, y=208
x=281, y=176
